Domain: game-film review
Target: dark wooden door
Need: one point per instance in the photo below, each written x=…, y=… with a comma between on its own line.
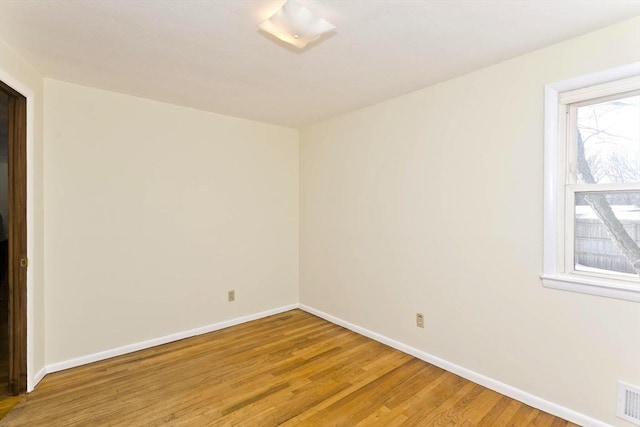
x=18, y=262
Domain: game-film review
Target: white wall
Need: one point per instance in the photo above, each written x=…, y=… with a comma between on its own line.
x=154, y=212
x=432, y=202
x=22, y=77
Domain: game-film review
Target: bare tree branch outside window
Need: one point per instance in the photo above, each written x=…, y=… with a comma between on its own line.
x=602, y=208
x=612, y=158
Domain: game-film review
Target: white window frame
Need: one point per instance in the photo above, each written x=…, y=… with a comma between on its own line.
x=559, y=193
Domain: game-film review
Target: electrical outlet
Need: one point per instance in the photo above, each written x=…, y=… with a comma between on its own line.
x=419, y=320
x=231, y=295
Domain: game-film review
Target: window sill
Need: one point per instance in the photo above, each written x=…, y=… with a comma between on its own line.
x=592, y=286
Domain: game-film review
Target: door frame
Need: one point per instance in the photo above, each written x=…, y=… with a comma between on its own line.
x=18, y=260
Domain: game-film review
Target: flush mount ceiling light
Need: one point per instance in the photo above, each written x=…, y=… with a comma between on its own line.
x=296, y=25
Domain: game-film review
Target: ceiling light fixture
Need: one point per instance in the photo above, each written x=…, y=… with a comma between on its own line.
x=296, y=25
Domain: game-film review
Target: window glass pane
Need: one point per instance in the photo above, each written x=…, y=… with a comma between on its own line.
x=609, y=141
x=607, y=232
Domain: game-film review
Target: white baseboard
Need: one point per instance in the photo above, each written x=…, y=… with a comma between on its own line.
x=36, y=379
x=130, y=348
x=490, y=383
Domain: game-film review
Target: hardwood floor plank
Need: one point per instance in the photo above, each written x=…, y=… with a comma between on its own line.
x=291, y=369
x=521, y=417
x=430, y=399
x=354, y=407
x=509, y=412
x=453, y=410
x=494, y=413
x=414, y=384
x=484, y=403
x=543, y=419
x=7, y=403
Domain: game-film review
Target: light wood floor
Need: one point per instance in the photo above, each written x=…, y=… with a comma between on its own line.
x=7, y=403
x=292, y=369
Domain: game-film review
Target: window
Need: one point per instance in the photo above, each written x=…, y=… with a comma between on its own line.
x=592, y=184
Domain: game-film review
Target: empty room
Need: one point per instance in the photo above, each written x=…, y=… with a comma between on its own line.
x=320, y=213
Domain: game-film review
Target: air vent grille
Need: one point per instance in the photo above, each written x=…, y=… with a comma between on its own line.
x=629, y=402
